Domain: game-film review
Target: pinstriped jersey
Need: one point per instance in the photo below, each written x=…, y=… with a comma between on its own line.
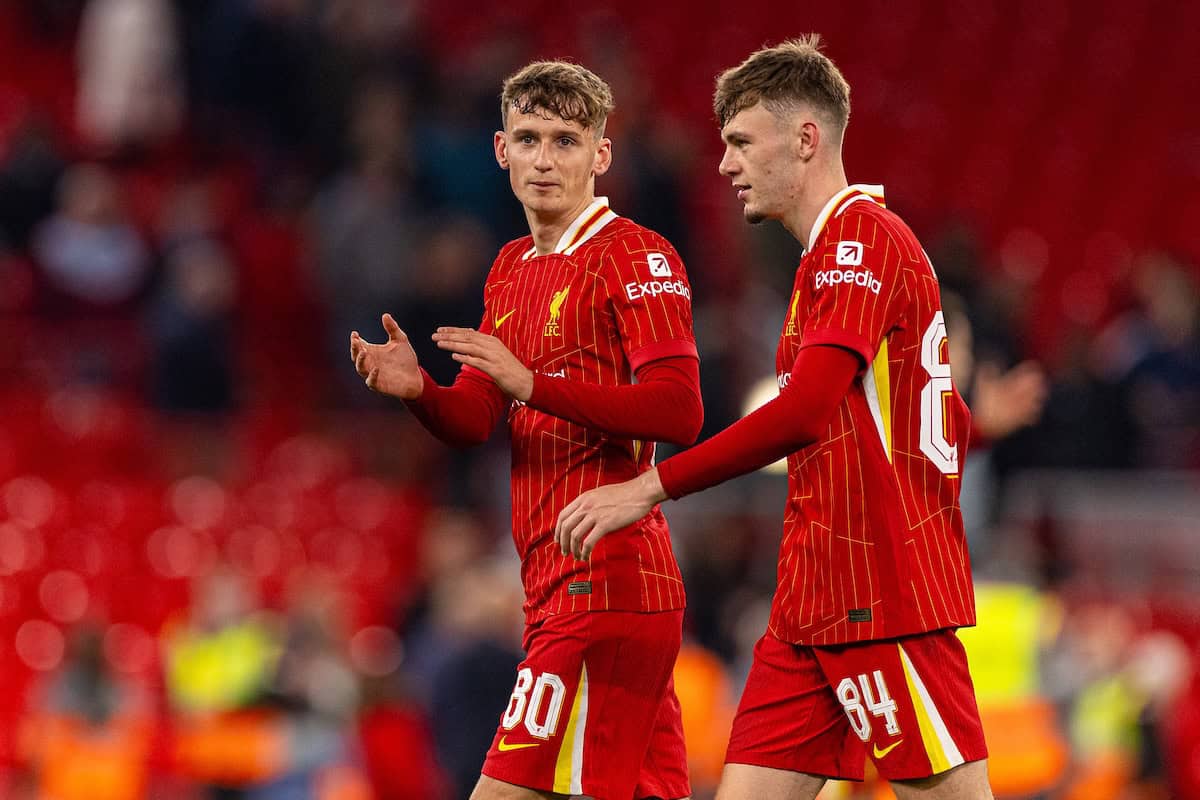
x=612, y=297
x=873, y=544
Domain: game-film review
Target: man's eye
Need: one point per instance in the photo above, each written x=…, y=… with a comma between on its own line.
x=566, y=141
x=526, y=140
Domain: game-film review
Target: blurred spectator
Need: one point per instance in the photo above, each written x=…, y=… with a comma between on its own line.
x=478, y=614
x=89, y=733
x=1154, y=352
x=1002, y=402
x=130, y=91
x=365, y=223
x=223, y=654
x=190, y=331
x=317, y=694
x=458, y=170
x=29, y=176
x=463, y=639
x=451, y=264
x=219, y=662
x=89, y=251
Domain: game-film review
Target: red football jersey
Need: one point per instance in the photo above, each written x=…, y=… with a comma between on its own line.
x=873, y=543
x=612, y=297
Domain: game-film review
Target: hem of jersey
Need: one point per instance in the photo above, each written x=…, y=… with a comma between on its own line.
x=656, y=351
x=889, y=637
x=860, y=345
x=534, y=617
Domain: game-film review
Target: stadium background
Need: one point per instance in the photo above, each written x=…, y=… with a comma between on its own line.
x=227, y=570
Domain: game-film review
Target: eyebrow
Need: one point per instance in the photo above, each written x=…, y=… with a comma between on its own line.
x=553, y=134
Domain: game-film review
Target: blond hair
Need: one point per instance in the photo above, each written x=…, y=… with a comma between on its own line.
x=782, y=77
x=561, y=88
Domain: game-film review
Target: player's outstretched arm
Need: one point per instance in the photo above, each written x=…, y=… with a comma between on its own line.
x=664, y=406
x=390, y=368
x=595, y=514
x=821, y=377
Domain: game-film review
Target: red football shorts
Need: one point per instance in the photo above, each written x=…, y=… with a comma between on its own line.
x=908, y=703
x=594, y=711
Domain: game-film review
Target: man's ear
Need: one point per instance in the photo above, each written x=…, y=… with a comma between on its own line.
x=603, y=158
x=807, y=139
x=501, y=144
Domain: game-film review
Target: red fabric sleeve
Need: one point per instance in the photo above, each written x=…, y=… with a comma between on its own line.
x=859, y=290
x=664, y=406
x=650, y=298
x=821, y=377
x=462, y=415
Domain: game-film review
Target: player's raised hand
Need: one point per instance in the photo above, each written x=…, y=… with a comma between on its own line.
x=488, y=354
x=1003, y=402
x=389, y=368
x=593, y=515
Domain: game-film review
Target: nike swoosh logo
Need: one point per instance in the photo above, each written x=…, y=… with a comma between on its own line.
x=883, y=753
x=504, y=746
x=500, y=320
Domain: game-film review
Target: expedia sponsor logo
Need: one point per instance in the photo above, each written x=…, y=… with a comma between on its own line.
x=636, y=291
x=834, y=277
x=659, y=266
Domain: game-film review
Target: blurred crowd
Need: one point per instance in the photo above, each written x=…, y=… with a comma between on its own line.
x=199, y=200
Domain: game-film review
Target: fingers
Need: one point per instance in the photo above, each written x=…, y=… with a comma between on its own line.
x=355, y=344
x=590, y=541
x=580, y=534
x=566, y=522
x=463, y=346
x=373, y=380
x=360, y=363
x=393, y=329
x=578, y=529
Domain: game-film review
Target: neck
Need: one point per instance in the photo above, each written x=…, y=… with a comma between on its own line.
x=548, y=228
x=811, y=198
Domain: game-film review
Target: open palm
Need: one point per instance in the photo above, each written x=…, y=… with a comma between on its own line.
x=390, y=368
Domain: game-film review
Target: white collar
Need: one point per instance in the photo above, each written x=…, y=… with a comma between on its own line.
x=589, y=222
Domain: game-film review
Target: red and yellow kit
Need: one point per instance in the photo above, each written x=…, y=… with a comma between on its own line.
x=614, y=296
x=873, y=544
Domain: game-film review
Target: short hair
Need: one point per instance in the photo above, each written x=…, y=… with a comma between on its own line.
x=781, y=77
x=561, y=88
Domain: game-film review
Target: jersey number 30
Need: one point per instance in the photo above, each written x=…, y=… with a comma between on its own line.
x=936, y=362
x=537, y=702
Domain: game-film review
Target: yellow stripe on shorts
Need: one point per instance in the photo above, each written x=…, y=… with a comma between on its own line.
x=939, y=746
x=568, y=769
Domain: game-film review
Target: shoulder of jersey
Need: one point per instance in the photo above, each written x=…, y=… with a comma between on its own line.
x=882, y=219
x=624, y=236
x=512, y=251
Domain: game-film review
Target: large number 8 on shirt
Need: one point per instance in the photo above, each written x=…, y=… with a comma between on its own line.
x=936, y=362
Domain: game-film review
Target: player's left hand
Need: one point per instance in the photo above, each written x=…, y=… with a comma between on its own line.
x=488, y=354
x=593, y=515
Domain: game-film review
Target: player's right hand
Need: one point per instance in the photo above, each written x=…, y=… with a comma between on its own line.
x=390, y=368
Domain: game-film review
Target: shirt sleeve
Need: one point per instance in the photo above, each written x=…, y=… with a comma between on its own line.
x=464, y=414
x=651, y=299
x=794, y=419
x=858, y=291
x=663, y=406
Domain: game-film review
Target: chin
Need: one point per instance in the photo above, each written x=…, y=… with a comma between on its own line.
x=754, y=217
